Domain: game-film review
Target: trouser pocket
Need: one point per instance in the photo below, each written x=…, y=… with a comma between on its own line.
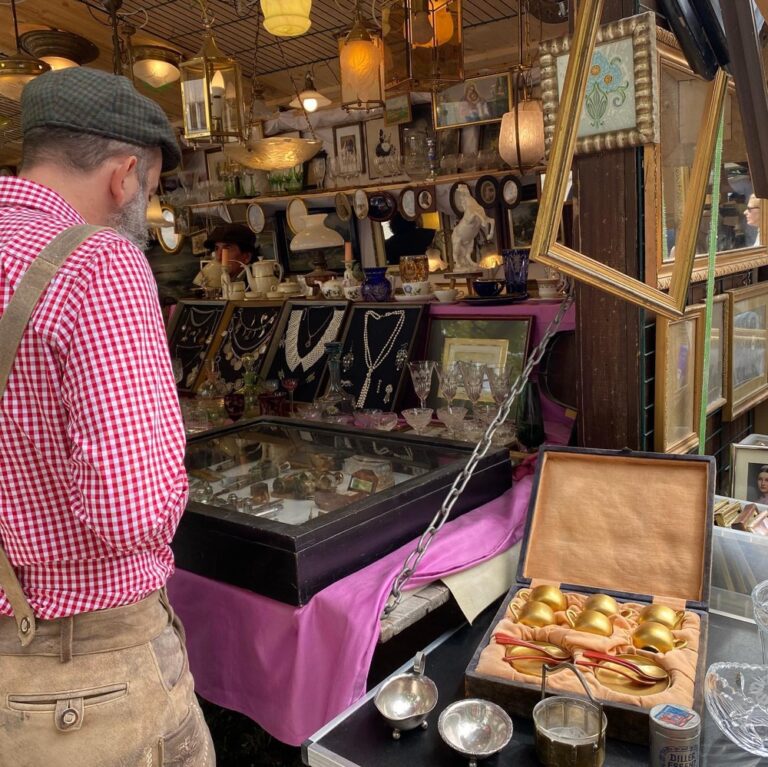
x=68, y=708
x=190, y=745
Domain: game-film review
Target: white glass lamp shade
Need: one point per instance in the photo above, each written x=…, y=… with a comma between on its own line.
x=59, y=62
x=316, y=235
x=286, y=18
x=523, y=126
x=155, y=65
x=361, y=62
x=311, y=99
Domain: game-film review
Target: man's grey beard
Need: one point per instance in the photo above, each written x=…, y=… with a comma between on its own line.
x=131, y=220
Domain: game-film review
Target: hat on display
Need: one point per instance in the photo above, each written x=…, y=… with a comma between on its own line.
x=90, y=101
x=234, y=234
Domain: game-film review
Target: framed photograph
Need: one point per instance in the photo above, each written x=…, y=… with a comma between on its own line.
x=314, y=171
x=618, y=109
x=678, y=383
x=475, y=101
x=718, y=352
x=381, y=142
x=197, y=241
x=511, y=190
x=749, y=473
x=266, y=241
x=487, y=191
x=426, y=199
x=747, y=329
x=348, y=143
x=491, y=337
x=407, y=204
x=214, y=159
x=397, y=109
x=521, y=221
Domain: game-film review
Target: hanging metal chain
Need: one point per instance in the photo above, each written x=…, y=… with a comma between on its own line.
x=296, y=90
x=482, y=447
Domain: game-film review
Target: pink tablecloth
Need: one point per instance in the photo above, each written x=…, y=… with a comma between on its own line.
x=293, y=669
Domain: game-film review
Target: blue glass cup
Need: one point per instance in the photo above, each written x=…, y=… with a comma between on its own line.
x=516, y=271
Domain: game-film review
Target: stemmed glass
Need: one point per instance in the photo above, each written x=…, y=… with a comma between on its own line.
x=472, y=375
x=448, y=378
x=290, y=385
x=421, y=375
x=500, y=380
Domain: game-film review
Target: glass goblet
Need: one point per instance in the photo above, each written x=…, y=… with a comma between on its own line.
x=472, y=376
x=421, y=375
x=418, y=418
x=448, y=378
x=452, y=417
x=290, y=385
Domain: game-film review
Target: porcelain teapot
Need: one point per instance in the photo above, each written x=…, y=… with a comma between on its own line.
x=333, y=288
x=263, y=276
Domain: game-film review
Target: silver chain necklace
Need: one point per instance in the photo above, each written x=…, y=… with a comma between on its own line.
x=385, y=350
x=292, y=357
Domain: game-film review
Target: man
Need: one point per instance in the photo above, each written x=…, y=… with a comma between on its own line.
x=93, y=669
x=752, y=215
x=234, y=246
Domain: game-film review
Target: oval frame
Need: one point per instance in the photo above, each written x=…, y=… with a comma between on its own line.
x=477, y=193
x=515, y=181
x=170, y=241
x=360, y=204
x=343, y=206
x=296, y=209
x=257, y=226
x=378, y=215
x=426, y=199
x=409, y=192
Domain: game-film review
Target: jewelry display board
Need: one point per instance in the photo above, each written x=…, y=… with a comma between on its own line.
x=304, y=330
x=247, y=328
x=190, y=335
x=378, y=341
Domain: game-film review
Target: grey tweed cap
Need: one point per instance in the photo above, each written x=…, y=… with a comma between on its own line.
x=91, y=101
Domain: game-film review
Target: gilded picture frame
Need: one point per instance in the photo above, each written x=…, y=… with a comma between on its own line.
x=545, y=248
x=746, y=464
x=621, y=104
x=747, y=329
x=717, y=380
x=658, y=271
x=679, y=367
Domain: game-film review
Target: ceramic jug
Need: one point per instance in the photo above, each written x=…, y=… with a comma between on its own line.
x=263, y=276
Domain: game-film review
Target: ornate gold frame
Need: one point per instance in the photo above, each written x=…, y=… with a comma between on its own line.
x=722, y=298
x=645, y=75
x=657, y=271
x=547, y=251
x=661, y=409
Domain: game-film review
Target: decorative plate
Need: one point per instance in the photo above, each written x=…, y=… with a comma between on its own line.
x=296, y=214
x=381, y=206
x=255, y=218
x=343, y=208
x=360, y=201
x=487, y=191
x=511, y=191
x=407, y=204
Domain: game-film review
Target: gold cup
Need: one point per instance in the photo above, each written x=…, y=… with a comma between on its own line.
x=606, y=605
x=536, y=614
x=661, y=614
x=656, y=637
x=589, y=621
x=550, y=595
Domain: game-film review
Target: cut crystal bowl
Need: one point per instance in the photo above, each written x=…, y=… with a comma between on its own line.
x=737, y=699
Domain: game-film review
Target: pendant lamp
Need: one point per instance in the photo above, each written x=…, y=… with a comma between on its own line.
x=17, y=70
x=310, y=97
x=361, y=63
x=156, y=65
x=57, y=48
x=286, y=18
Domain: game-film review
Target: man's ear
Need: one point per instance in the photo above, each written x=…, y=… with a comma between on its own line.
x=121, y=185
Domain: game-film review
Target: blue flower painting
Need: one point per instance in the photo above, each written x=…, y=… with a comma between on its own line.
x=606, y=83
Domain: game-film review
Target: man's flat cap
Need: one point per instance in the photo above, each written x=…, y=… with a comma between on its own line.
x=95, y=102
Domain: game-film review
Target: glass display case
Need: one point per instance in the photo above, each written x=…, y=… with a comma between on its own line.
x=286, y=507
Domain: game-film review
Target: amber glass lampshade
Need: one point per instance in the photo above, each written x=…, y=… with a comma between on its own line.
x=521, y=137
x=361, y=63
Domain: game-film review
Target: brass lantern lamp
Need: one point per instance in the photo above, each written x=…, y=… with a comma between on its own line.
x=423, y=44
x=211, y=94
x=361, y=63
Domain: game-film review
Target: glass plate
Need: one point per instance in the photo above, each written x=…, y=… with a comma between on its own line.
x=737, y=699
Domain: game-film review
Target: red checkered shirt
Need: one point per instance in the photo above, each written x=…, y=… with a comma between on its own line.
x=92, y=480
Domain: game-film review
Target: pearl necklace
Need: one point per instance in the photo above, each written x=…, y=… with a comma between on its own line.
x=385, y=350
x=292, y=357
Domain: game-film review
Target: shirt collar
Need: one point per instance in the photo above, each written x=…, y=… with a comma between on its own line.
x=18, y=192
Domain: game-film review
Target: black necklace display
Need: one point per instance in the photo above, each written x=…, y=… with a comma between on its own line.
x=376, y=347
x=191, y=336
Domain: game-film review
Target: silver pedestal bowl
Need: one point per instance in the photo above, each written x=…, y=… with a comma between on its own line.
x=476, y=728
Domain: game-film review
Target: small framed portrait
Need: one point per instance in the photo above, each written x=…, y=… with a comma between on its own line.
x=314, y=171
x=348, y=142
x=487, y=191
x=360, y=203
x=747, y=328
x=381, y=206
x=426, y=199
x=397, y=109
x=407, y=204
x=255, y=218
x=475, y=101
x=511, y=191
x=749, y=473
x=382, y=144
x=343, y=206
x=214, y=162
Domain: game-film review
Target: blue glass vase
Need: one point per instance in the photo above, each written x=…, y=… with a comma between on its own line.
x=516, y=271
x=376, y=286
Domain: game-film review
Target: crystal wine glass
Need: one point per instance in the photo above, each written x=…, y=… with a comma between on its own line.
x=421, y=375
x=448, y=378
x=472, y=375
x=290, y=385
x=418, y=418
x=500, y=380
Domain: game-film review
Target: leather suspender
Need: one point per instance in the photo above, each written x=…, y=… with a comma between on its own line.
x=13, y=323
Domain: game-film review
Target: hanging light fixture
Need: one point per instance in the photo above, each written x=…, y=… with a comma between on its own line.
x=211, y=93
x=286, y=18
x=423, y=44
x=16, y=71
x=361, y=64
x=57, y=48
x=310, y=97
x=521, y=136
x=156, y=65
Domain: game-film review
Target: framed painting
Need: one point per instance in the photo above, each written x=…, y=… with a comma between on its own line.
x=382, y=144
x=348, y=145
x=717, y=380
x=621, y=103
x=475, y=101
x=397, y=109
x=490, y=337
x=747, y=329
x=749, y=473
x=678, y=383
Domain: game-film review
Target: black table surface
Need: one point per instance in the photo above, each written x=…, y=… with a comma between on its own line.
x=361, y=738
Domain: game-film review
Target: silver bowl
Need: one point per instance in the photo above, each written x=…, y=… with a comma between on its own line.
x=476, y=728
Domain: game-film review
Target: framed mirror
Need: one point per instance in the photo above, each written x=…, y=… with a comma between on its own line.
x=742, y=229
x=400, y=236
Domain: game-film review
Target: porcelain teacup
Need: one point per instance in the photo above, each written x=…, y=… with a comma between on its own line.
x=417, y=288
x=446, y=295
